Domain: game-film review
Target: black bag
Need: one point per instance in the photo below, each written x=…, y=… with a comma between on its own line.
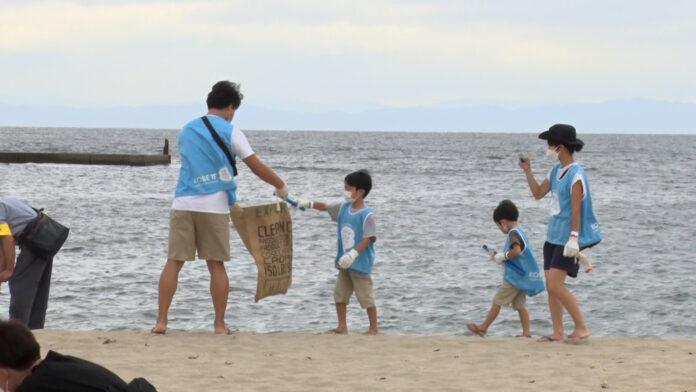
x=44, y=235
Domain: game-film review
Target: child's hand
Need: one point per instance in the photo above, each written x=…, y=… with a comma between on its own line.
x=305, y=204
x=491, y=253
x=347, y=259
x=499, y=257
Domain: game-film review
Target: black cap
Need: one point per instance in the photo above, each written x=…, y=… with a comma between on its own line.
x=563, y=134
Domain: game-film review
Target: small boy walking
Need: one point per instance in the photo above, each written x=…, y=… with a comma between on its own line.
x=356, y=251
x=521, y=275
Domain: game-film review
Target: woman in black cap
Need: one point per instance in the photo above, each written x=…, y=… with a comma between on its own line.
x=572, y=225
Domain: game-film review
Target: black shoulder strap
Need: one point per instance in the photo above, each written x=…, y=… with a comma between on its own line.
x=221, y=144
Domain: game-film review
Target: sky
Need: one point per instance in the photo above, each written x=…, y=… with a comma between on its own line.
x=314, y=55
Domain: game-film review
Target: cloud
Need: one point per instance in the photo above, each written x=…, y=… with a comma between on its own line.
x=396, y=53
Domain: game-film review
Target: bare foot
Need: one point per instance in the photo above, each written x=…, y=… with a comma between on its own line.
x=223, y=331
x=159, y=328
x=336, y=331
x=371, y=332
x=580, y=334
x=476, y=329
x=548, y=339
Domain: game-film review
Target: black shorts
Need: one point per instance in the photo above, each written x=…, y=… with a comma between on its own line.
x=553, y=258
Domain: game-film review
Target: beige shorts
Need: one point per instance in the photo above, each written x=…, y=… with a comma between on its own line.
x=348, y=281
x=510, y=295
x=203, y=231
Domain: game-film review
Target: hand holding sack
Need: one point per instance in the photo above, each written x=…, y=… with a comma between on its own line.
x=282, y=192
x=347, y=259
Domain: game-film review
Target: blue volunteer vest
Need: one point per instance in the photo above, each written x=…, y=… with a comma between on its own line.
x=204, y=167
x=559, y=227
x=523, y=271
x=350, y=224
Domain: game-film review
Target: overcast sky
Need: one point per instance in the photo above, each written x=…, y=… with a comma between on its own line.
x=95, y=53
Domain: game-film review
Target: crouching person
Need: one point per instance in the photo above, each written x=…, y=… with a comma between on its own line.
x=39, y=238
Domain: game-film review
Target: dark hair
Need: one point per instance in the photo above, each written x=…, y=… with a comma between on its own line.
x=505, y=210
x=570, y=147
x=360, y=180
x=19, y=347
x=224, y=94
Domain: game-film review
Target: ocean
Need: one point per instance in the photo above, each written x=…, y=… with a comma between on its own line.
x=433, y=197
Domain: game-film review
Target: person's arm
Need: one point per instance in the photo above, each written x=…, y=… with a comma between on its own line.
x=365, y=243
x=572, y=248
x=539, y=190
x=347, y=259
x=515, y=250
x=7, y=258
x=242, y=148
x=576, y=203
x=263, y=172
x=317, y=205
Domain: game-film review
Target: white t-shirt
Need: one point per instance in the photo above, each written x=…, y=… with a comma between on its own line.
x=217, y=202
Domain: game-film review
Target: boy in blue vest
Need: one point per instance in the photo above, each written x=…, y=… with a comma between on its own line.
x=521, y=275
x=356, y=251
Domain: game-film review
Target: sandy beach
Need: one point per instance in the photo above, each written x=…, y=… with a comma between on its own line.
x=185, y=361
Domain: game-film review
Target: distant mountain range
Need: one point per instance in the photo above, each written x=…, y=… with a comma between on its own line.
x=620, y=116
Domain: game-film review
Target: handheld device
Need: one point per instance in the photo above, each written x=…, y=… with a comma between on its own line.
x=521, y=155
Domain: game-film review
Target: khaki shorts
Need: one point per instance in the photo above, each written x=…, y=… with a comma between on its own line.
x=203, y=231
x=348, y=281
x=510, y=295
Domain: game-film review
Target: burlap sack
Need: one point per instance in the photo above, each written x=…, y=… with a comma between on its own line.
x=267, y=233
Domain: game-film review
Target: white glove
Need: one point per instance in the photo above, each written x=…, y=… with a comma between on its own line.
x=491, y=253
x=571, y=248
x=584, y=260
x=282, y=192
x=347, y=259
x=499, y=257
x=305, y=204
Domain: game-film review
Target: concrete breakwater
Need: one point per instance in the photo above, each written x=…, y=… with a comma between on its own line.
x=89, y=158
x=85, y=159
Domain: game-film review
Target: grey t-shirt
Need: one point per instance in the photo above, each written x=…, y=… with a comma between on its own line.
x=369, y=227
x=15, y=213
x=516, y=238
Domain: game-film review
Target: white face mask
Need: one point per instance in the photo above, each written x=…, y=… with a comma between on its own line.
x=347, y=195
x=552, y=154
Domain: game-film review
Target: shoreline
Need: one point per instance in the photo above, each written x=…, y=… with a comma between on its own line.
x=302, y=361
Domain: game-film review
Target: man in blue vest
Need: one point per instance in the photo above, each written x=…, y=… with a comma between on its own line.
x=199, y=220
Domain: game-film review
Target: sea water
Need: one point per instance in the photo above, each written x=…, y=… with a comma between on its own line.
x=433, y=197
